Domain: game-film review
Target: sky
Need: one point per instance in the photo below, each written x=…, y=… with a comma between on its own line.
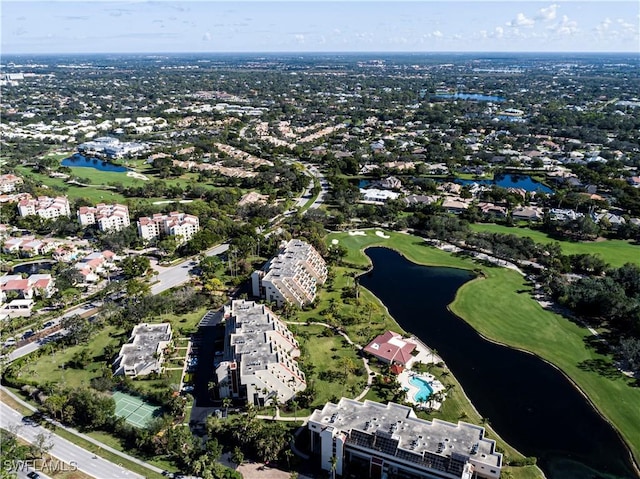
x=164, y=26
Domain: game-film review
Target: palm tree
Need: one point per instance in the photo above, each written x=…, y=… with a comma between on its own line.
x=226, y=402
x=334, y=466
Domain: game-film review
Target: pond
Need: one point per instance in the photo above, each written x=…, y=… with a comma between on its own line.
x=524, y=182
x=533, y=406
x=469, y=96
x=33, y=268
x=508, y=180
x=80, y=161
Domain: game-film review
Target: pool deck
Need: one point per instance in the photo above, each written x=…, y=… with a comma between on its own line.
x=425, y=356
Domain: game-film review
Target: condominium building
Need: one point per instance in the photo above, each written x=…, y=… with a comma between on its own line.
x=180, y=225
x=107, y=217
x=373, y=440
x=291, y=276
x=144, y=353
x=259, y=356
x=9, y=182
x=45, y=207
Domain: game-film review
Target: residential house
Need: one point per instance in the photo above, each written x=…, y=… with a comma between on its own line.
x=495, y=211
x=455, y=205
x=42, y=285
x=527, y=213
x=376, y=196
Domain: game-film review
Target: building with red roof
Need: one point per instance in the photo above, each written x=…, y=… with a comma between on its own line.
x=390, y=348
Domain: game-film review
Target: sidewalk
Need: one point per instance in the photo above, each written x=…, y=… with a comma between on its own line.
x=85, y=437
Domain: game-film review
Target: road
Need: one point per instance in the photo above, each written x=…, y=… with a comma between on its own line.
x=172, y=276
x=83, y=310
x=316, y=176
x=64, y=450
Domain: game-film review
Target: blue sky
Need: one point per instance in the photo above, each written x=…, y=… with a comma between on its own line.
x=56, y=26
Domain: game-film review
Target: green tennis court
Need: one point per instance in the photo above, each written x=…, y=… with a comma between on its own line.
x=134, y=410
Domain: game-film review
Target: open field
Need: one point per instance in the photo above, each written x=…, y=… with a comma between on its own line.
x=614, y=252
x=494, y=307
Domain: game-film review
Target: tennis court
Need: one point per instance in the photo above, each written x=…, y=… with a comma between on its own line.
x=134, y=410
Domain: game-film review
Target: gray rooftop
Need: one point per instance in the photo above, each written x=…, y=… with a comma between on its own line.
x=248, y=329
x=146, y=338
x=395, y=430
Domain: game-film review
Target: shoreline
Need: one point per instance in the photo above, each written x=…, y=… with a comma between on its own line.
x=635, y=465
x=487, y=426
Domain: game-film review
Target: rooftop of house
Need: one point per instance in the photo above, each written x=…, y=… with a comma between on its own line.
x=391, y=347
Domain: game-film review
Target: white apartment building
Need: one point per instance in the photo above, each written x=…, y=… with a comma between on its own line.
x=9, y=182
x=144, y=353
x=45, y=207
x=259, y=356
x=180, y=225
x=108, y=217
x=292, y=276
x=373, y=440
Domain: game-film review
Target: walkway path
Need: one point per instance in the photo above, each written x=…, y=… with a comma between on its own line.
x=123, y=475
x=365, y=361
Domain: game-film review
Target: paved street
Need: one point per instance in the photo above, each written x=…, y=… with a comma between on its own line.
x=169, y=277
x=65, y=450
x=84, y=310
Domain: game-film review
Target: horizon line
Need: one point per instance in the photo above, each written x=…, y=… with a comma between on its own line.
x=350, y=52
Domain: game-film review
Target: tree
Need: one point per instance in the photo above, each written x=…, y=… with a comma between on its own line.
x=42, y=444
x=237, y=456
x=135, y=266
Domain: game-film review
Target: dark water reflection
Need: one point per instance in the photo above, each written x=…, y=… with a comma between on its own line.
x=528, y=402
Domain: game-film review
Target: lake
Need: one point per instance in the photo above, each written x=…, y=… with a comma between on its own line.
x=469, y=96
x=80, y=161
x=524, y=182
x=530, y=403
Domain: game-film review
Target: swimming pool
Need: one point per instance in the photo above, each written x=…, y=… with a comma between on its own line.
x=424, y=390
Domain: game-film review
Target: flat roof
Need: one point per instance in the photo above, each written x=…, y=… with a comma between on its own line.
x=404, y=434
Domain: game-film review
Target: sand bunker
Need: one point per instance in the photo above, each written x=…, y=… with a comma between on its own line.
x=382, y=235
x=138, y=176
x=357, y=233
x=334, y=241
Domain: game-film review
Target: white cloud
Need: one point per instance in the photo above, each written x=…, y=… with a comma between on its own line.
x=565, y=27
x=547, y=14
x=437, y=34
x=498, y=32
x=521, y=20
x=299, y=37
x=206, y=37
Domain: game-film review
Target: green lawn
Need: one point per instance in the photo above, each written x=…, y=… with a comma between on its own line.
x=494, y=307
x=614, y=252
x=52, y=367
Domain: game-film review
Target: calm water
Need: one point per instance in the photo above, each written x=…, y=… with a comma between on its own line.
x=505, y=181
x=511, y=181
x=529, y=403
x=32, y=268
x=80, y=161
x=470, y=96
